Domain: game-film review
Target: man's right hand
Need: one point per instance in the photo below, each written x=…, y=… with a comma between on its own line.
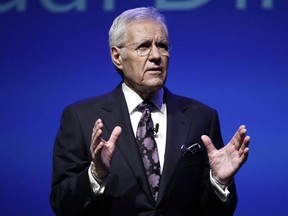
x=101, y=150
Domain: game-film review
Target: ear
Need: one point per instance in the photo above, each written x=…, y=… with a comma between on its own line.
x=116, y=57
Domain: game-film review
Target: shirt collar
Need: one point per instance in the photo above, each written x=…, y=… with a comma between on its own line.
x=133, y=99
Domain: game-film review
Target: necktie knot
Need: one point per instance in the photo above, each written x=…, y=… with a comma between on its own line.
x=146, y=122
x=145, y=106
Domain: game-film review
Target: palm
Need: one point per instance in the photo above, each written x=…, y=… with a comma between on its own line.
x=226, y=161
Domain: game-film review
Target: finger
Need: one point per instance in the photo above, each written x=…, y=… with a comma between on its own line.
x=208, y=144
x=115, y=134
x=98, y=148
x=96, y=126
x=96, y=134
x=238, y=137
x=243, y=156
x=245, y=146
x=96, y=152
x=97, y=122
x=96, y=137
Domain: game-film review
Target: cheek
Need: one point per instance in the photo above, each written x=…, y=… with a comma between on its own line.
x=166, y=61
x=165, y=65
x=138, y=68
x=134, y=71
x=133, y=62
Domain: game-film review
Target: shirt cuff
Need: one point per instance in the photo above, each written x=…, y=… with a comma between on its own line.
x=96, y=187
x=220, y=190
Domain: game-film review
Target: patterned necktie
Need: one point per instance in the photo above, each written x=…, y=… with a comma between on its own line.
x=148, y=147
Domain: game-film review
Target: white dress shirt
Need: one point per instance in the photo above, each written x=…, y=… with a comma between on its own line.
x=158, y=115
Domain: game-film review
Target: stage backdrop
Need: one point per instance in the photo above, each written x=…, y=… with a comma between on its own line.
x=230, y=54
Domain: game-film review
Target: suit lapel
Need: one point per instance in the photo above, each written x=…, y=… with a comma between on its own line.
x=126, y=146
x=177, y=126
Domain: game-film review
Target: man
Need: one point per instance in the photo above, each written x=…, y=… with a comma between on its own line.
x=108, y=172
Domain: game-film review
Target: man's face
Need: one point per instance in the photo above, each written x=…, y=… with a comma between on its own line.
x=144, y=74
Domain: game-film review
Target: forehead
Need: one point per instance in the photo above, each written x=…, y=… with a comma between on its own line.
x=139, y=30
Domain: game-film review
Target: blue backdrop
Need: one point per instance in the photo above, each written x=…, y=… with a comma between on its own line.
x=230, y=54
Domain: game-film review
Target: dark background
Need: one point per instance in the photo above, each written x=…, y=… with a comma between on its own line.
x=229, y=54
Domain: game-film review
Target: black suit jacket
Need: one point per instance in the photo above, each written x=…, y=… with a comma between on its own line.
x=185, y=188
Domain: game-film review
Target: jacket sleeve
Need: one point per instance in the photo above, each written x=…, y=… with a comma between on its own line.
x=212, y=204
x=71, y=190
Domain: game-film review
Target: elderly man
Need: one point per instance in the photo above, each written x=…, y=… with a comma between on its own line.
x=151, y=152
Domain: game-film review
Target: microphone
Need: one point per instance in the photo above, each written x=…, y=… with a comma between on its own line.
x=156, y=129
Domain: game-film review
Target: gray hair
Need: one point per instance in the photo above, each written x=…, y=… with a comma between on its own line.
x=117, y=32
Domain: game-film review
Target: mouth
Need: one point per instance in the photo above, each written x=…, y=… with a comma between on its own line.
x=155, y=70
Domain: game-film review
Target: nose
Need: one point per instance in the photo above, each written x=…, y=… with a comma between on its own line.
x=154, y=53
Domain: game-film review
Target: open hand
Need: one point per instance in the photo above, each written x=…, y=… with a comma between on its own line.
x=226, y=161
x=101, y=150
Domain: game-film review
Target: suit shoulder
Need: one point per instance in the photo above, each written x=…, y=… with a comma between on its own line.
x=92, y=102
x=188, y=103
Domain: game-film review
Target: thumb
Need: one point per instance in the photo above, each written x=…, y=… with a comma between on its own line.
x=115, y=134
x=208, y=144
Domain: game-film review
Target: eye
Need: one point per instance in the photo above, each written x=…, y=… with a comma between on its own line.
x=144, y=45
x=163, y=45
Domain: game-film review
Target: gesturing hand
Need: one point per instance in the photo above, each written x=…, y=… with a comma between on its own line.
x=101, y=150
x=226, y=161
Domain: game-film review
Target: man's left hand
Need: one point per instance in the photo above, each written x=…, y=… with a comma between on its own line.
x=226, y=161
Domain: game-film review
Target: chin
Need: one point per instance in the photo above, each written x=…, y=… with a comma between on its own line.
x=156, y=83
